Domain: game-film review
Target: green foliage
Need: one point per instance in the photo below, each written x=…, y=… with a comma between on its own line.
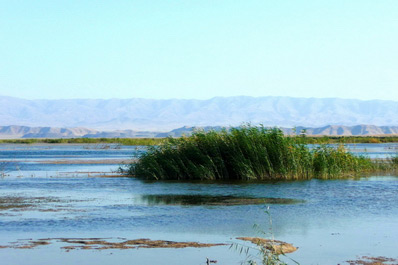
x=347, y=139
x=328, y=161
x=244, y=153
x=122, y=141
x=394, y=160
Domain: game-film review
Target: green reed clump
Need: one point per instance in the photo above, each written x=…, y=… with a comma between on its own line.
x=394, y=160
x=328, y=161
x=244, y=153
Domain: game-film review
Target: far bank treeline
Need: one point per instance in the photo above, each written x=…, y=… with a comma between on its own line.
x=248, y=153
x=121, y=141
x=156, y=141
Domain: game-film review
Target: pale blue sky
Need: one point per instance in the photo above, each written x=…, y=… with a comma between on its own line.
x=199, y=49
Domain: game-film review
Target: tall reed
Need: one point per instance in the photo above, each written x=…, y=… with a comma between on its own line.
x=244, y=153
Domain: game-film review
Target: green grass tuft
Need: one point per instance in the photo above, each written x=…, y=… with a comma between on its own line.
x=245, y=153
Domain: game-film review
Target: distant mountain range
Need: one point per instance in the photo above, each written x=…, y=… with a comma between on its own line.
x=164, y=115
x=330, y=130
x=15, y=132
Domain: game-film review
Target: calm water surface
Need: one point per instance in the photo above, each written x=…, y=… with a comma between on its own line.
x=334, y=221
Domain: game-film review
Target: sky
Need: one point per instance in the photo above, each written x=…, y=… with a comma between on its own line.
x=199, y=48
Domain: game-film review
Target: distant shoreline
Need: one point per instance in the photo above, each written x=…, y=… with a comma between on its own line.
x=105, y=143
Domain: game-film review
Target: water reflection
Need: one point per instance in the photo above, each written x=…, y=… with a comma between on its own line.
x=210, y=200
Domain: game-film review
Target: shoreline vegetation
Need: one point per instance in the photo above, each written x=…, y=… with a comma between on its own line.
x=156, y=141
x=250, y=153
x=120, y=141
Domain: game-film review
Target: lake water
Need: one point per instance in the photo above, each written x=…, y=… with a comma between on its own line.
x=331, y=221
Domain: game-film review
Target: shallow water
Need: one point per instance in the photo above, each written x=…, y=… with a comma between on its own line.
x=39, y=160
x=381, y=151
x=333, y=221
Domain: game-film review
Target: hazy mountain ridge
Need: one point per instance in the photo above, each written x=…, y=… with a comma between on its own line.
x=330, y=130
x=164, y=115
x=16, y=132
x=42, y=132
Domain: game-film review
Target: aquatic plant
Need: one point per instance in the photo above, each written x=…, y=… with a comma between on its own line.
x=244, y=153
x=329, y=161
x=394, y=159
x=269, y=251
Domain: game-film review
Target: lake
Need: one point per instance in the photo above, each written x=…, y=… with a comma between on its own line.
x=59, y=191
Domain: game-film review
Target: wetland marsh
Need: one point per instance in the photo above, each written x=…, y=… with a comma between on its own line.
x=330, y=221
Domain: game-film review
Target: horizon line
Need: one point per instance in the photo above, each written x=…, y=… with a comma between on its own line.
x=182, y=99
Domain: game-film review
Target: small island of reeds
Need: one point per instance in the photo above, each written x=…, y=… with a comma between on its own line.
x=247, y=153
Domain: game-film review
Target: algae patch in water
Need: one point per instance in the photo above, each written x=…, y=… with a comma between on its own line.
x=41, y=204
x=9, y=203
x=276, y=246
x=211, y=200
x=23, y=203
x=365, y=260
x=106, y=243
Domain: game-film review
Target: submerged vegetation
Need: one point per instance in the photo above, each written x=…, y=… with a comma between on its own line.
x=247, y=153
